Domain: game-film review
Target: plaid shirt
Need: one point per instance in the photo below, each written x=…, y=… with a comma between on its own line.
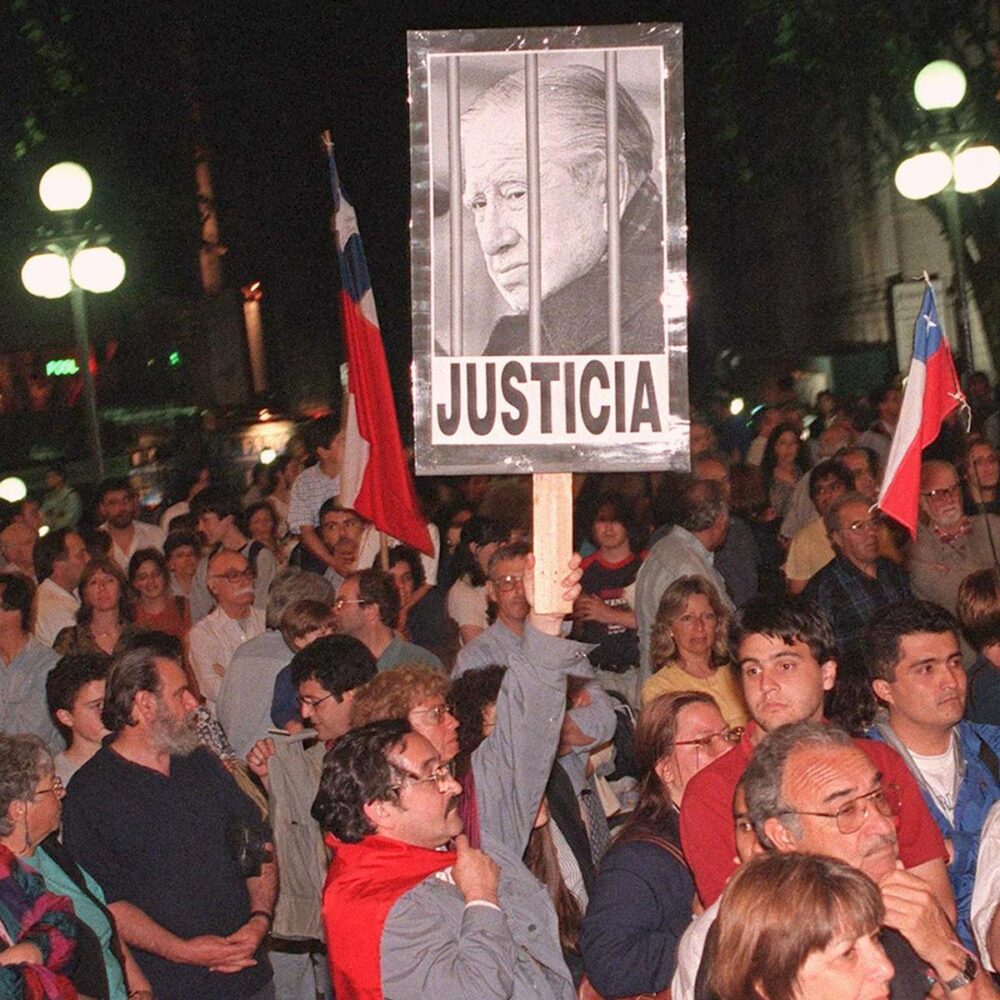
x=850, y=598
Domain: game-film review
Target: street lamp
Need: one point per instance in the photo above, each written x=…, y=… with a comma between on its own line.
x=74, y=259
x=956, y=164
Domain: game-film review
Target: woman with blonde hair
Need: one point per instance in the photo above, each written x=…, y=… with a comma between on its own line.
x=798, y=927
x=689, y=647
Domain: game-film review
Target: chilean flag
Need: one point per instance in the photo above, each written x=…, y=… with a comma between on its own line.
x=375, y=480
x=932, y=392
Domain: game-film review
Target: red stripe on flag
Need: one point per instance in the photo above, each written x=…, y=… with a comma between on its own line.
x=386, y=496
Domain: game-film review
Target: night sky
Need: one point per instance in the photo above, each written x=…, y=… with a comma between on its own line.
x=268, y=81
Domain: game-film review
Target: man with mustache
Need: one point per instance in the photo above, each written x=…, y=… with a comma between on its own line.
x=949, y=546
x=214, y=639
x=403, y=916
x=810, y=789
x=340, y=531
x=917, y=673
x=150, y=815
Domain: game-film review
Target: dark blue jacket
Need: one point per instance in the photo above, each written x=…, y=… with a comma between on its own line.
x=640, y=907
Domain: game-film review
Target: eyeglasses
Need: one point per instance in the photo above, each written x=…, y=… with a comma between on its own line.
x=851, y=815
x=56, y=788
x=436, y=713
x=235, y=575
x=943, y=493
x=307, y=702
x=865, y=524
x=341, y=602
x=443, y=775
x=732, y=735
x=505, y=584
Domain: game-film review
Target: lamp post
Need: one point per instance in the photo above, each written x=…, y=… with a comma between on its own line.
x=955, y=164
x=75, y=259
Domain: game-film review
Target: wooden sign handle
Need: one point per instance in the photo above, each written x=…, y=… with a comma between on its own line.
x=552, y=538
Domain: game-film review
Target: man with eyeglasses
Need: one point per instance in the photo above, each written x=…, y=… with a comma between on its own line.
x=326, y=675
x=917, y=674
x=367, y=607
x=949, y=545
x=785, y=657
x=857, y=582
x=811, y=789
x=412, y=920
x=216, y=637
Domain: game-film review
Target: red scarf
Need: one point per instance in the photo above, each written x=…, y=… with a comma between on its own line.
x=362, y=885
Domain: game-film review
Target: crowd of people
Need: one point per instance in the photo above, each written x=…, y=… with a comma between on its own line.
x=245, y=754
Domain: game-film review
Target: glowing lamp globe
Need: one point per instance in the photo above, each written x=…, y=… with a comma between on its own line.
x=46, y=275
x=976, y=168
x=65, y=187
x=13, y=489
x=98, y=269
x=922, y=175
x=939, y=85
x=737, y=406
x=267, y=456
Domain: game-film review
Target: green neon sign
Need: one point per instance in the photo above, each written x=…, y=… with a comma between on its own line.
x=62, y=366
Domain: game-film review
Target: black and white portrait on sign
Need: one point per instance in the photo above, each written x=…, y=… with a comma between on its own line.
x=548, y=223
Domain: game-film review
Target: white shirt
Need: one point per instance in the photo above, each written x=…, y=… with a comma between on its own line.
x=939, y=772
x=55, y=609
x=986, y=892
x=689, y=952
x=214, y=640
x=144, y=536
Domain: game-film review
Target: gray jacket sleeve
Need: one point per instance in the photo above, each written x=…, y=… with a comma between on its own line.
x=512, y=766
x=423, y=957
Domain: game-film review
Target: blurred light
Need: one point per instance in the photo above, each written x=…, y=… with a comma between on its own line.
x=65, y=187
x=264, y=414
x=939, y=85
x=43, y=530
x=267, y=456
x=976, y=167
x=98, y=269
x=922, y=175
x=736, y=406
x=62, y=366
x=13, y=489
x=175, y=358
x=46, y=275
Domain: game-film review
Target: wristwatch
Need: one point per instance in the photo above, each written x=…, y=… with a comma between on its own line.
x=965, y=977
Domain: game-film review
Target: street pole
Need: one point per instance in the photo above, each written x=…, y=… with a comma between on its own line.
x=961, y=287
x=79, y=305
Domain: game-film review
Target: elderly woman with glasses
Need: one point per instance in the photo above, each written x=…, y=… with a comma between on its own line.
x=643, y=897
x=30, y=812
x=106, y=615
x=689, y=647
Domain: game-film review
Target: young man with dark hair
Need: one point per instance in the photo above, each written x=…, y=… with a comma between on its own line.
x=367, y=606
x=325, y=441
x=340, y=532
x=326, y=674
x=785, y=658
x=74, y=690
x=60, y=559
x=917, y=673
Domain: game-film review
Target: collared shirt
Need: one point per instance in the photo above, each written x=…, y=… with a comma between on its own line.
x=23, y=708
x=55, y=609
x=679, y=553
x=214, y=640
x=851, y=598
x=311, y=489
x=144, y=536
